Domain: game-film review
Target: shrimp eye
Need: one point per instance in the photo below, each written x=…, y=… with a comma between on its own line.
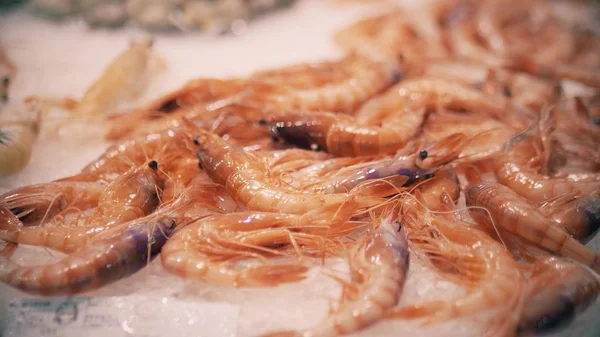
x=153, y=164
x=423, y=154
x=196, y=141
x=507, y=92
x=262, y=121
x=399, y=224
x=597, y=120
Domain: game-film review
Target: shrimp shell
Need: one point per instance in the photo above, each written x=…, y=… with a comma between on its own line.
x=132, y=196
x=513, y=213
x=92, y=266
x=359, y=80
x=247, y=180
x=557, y=291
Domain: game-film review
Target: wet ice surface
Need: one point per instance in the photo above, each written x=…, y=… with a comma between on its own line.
x=63, y=59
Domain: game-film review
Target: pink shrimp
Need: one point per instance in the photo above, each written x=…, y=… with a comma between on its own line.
x=132, y=196
x=195, y=93
x=557, y=290
x=246, y=177
x=514, y=170
x=114, y=254
x=36, y=203
x=379, y=262
x=353, y=81
x=516, y=215
x=208, y=248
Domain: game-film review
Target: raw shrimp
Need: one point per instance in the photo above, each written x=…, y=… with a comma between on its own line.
x=94, y=265
x=386, y=37
x=205, y=250
x=210, y=93
x=462, y=254
x=557, y=290
x=133, y=195
x=119, y=251
x=463, y=39
x=516, y=215
x=514, y=170
x=126, y=154
x=123, y=80
x=379, y=263
x=342, y=135
x=36, y=203
x=589, y=77
x=247, y=179
x=412, y=166
x=353, y=81
x=579, y=215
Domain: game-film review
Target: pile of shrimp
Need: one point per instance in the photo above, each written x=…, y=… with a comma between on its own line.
x=464, y=135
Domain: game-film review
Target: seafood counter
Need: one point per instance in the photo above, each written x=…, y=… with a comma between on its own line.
x=438, y=173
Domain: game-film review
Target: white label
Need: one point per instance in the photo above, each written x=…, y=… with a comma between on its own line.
x=119, y=316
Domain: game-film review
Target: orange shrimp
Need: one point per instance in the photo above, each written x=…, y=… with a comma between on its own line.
x=342, y=135
x=464, y=255
x=35, y=204
x=247, y=179
x=557, y=290
x=113, y=254
x=577, y=214
x=350, y=82
x=413, y=166
x=131, y=153
x=379, y=263
x=514, y=169
x=133, y=195
x=516, y=215
x=198, y=92
x=207, y=249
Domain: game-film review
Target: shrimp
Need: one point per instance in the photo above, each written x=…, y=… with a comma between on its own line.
x=513, y=170
x=354, y=81
x=36, y=203
x=246, y=178
x=379, y=263
x=342, y=135
x=557, y=290
x=132, y=196
x=205, y=250
x=94, y=265
x=118, y=251
x=577, y=214
x=210, y=93
x=589, y=77
x=463, y=254
x=516, y=215
x=126, y=154
x=123, y=80
x=412, y=166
